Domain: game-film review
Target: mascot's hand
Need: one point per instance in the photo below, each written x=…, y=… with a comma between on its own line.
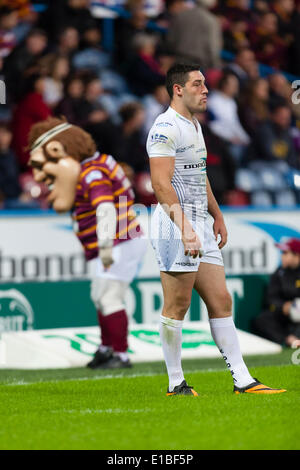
x=106, y=256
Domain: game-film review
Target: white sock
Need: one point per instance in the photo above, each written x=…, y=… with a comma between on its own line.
x=225, y=336
x=171, y=338
x=122, y=355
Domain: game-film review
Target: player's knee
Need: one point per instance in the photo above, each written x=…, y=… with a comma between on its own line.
x=226, y=301
x=178, y=305
x=220, y=305
x=108, y=295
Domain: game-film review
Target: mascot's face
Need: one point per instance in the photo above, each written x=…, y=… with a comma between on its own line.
x=52, y=165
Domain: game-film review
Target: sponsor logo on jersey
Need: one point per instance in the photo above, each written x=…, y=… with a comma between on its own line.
x=201, y=164
x=160, y=138
x=184, y=149
x=186, y=264
x=164, y=124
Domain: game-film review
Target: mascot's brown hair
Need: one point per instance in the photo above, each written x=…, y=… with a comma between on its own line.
x=56, y=150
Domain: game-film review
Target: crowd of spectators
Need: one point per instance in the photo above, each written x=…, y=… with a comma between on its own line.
x=54, y=61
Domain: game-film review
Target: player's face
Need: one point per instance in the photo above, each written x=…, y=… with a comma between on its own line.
x=194, y=93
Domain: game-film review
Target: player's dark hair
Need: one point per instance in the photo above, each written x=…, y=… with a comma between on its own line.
x=179, y=74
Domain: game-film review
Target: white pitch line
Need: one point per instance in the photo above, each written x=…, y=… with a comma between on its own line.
x=108, y=410
x=109, y=376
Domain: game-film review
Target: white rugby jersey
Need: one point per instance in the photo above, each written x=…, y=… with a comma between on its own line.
x=172, y=135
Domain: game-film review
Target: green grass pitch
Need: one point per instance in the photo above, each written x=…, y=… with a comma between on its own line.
x=83, y=409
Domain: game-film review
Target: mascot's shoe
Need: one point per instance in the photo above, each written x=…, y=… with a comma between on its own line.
x=258, y=388
x=182, y=389
x=100, y=358
x=115, y=362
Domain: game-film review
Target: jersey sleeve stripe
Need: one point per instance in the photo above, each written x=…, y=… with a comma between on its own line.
x=96, y=201
x=99, y=183
x=120, y=191
x=84, y=214
x=124, y=204
x=87, y=231
x=114, y=171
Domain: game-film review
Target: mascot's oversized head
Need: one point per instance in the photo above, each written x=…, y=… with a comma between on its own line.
x=56, y=150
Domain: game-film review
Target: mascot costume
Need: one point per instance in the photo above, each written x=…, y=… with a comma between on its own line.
x=94, y=187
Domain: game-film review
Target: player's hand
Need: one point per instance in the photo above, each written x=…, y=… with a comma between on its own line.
x=106, y=257
x=219, y=228
x=192, y=244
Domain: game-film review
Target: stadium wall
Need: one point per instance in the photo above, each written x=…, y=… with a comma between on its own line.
x=44, y=277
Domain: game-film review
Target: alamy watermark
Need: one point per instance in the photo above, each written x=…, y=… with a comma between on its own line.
x=295, y=358
x=296, y=94
x=2, y=92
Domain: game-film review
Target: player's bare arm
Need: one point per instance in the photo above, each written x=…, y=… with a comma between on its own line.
x=219, y=227
x=162, y=170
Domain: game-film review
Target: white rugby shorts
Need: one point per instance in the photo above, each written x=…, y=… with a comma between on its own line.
x=127, y=255
x=168, y=246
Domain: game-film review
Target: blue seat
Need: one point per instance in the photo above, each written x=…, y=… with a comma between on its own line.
x=286, y=198
x=246, y=180
x=261, y=198
x=272, y=174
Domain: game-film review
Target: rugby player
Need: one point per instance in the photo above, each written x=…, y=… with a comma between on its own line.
x=187, y=246
x=94, y=186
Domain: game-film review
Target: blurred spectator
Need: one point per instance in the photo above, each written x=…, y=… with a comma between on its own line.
x=56, y=68
x=280, y=89
x=9, y=183
x=61, y=14
x=73, y=101
x=172, y=8
x=272, y=140
x=24, y=57
x=144, y=73
x=92, y=110
x=8, y=21
x=125, y=31
x=224, y=119
x=30, y=109
x=91, y=56
x=235, y=36
x=220, y=165
x=277, y=322
x=10, y=190
x=154, y=104
x=284, y=10
x=294, y=65
x=253, y=105
x=125, y=141
x=5, y=108
x=234, y=10
x=270, y=48
x=195, y=35
x=244, y=66
x=129, y=146
x=68, y=41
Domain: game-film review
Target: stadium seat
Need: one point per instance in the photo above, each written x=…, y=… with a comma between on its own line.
x=236, y=197
x=259, y=165
x=286, y=198
x=261, y=199
x=272, y=179
x=246, y=180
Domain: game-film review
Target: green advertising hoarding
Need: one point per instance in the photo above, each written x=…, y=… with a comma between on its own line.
x=64, y=304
